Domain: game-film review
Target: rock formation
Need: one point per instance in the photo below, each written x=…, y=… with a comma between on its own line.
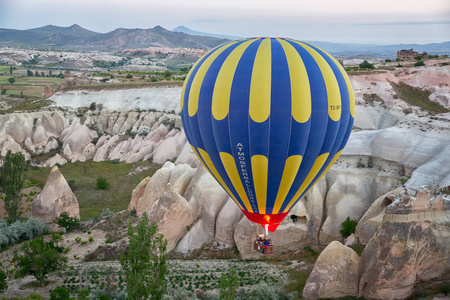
x=55, y=198
x=335, y=273
x=372, y=219
x=411, y=245
x=173, y=214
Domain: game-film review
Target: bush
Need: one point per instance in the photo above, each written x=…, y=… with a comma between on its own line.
x=60, y=293
x=3, y=283
x=419, y=64
x=100, y=294
x=349, y=227
x=93, y=106
x=102, y=183
x=20, y=230
x=366, y=65
x=388, y=60
x=106, y=213
x=419, y=57
x=67, y=222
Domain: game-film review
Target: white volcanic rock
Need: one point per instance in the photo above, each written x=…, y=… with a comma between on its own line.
x=345, y=192
x=207, y=195
x=413, y=144
x=374, y=118
x=160, y=99
x=187, y=156
x=170, y=148
x=57, y=159
x=55, y=198
x=335, y=273
x=75, y=138
x=137, y=193
x=150, y=190
x=226, y=222
x=173, y=214
x=245, y=234
x=372, y=219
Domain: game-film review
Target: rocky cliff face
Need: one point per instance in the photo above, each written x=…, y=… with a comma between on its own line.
x=411, y=245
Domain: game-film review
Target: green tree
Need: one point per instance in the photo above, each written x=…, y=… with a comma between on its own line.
x=3, y=283
x=348, y=227
x=145, y=263
x=93, y=106
x=418, y=57
x=229, y=284
x=67, y=222
x=10, y=70
x=12, y=182
x=11, y=80
x=39, y=258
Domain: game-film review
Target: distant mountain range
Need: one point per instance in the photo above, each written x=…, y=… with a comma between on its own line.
x=76, y=37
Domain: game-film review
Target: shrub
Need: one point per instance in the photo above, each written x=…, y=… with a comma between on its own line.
x=102, y=183
x=3, y=283
x=419, y=64
x=20, y=230
x=348, y=227
x=60, y=293
x=366, y=65
x=418, y=57
x=67, y=222
x=106, y=212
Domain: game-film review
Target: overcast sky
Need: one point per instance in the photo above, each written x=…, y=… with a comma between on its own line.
x=349, y=21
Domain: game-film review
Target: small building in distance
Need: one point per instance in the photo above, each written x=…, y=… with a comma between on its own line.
x=410, y=54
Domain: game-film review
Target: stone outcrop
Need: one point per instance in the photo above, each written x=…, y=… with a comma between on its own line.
x=48, y=91
x=55, y=198
x=410, y=54
x=372, y=219
x=173, y=214
x=335, y=273
x=411, y=245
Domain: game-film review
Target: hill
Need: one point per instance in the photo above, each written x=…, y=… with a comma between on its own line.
x=78, y=38
x=194, y=32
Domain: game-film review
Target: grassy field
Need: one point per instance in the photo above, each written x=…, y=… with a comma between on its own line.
x=28, y=86
x=82, y=176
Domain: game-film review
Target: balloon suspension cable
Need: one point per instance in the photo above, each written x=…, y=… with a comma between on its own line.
x=266, y=227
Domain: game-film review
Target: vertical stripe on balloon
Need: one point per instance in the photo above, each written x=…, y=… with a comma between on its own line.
x=198, y=80
x=260, y=87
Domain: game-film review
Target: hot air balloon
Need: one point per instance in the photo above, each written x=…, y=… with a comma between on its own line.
x=267, y=117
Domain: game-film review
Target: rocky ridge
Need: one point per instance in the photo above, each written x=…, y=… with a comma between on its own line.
x=409, y=246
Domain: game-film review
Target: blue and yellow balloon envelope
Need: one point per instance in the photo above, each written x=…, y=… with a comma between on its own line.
x=267, y=117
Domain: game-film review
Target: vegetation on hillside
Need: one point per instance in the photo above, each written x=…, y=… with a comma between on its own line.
x=417, y=97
